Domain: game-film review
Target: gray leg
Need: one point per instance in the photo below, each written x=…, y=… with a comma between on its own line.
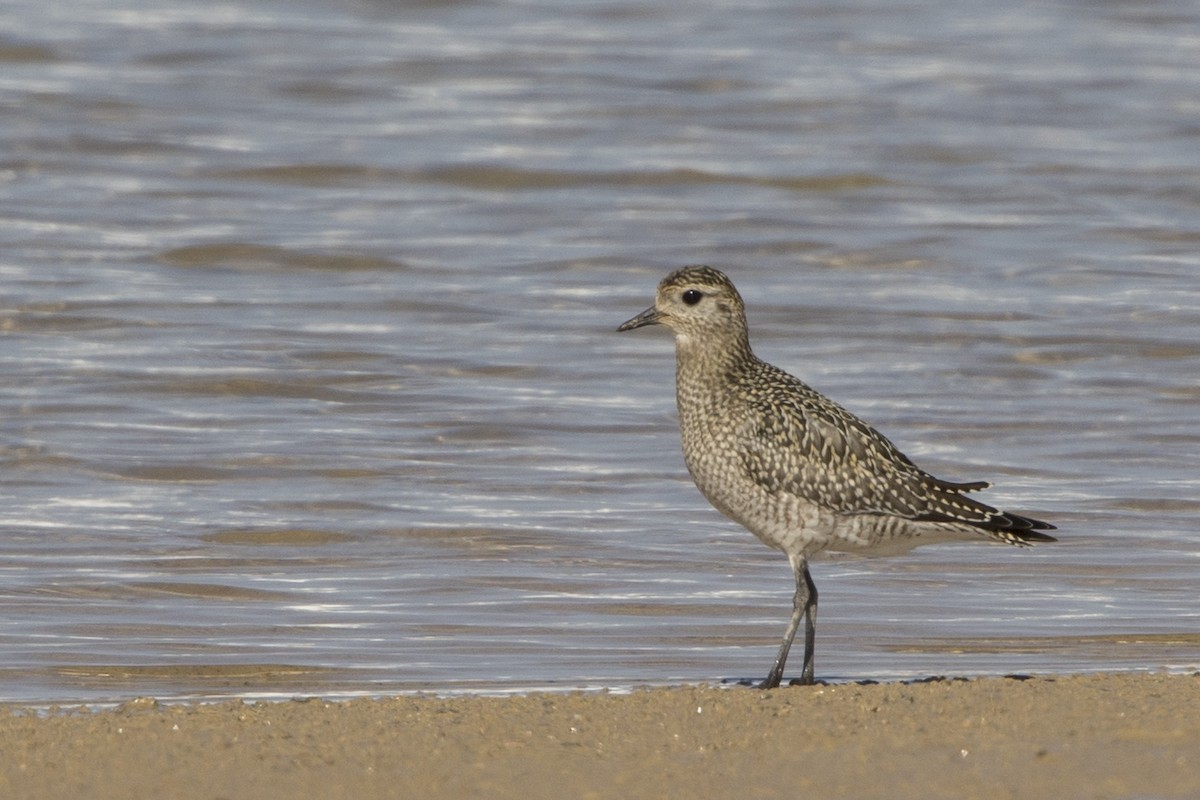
x=810, y=629
x=804, y=606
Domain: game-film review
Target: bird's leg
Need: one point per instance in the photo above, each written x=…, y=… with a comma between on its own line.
x=810, y=626
x=804, y=606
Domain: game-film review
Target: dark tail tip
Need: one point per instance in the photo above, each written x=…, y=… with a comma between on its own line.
x=1027, y=529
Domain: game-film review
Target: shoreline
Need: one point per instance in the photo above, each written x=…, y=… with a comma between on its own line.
x=1094, y=735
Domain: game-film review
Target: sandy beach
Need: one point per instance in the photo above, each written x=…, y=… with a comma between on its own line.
x=1091, y=736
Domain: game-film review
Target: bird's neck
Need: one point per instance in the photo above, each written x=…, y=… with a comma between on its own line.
x=710, y=361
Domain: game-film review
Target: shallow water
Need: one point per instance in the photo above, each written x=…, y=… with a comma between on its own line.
x=312, y=384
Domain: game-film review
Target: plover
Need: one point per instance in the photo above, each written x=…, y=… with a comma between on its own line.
x=793, y=467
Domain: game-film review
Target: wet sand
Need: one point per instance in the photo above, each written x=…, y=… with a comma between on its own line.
x=1092, y=736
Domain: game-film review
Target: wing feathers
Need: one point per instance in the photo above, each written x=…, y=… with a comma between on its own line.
x=807, y=445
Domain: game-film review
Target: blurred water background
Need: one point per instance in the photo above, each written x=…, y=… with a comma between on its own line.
x=310, y=378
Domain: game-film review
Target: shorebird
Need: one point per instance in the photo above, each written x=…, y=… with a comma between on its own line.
x=793, y=467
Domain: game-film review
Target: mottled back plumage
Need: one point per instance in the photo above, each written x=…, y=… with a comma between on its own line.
x=796, y=469
x=807, y=445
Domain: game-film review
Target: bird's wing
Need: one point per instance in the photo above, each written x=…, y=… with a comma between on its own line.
x=802, y=443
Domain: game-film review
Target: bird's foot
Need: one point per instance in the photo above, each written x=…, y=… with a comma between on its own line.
x=806, y=681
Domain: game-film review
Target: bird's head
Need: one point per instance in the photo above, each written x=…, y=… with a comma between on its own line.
x=697, y=303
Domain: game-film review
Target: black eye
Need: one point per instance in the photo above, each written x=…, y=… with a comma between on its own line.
x=692, y=296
